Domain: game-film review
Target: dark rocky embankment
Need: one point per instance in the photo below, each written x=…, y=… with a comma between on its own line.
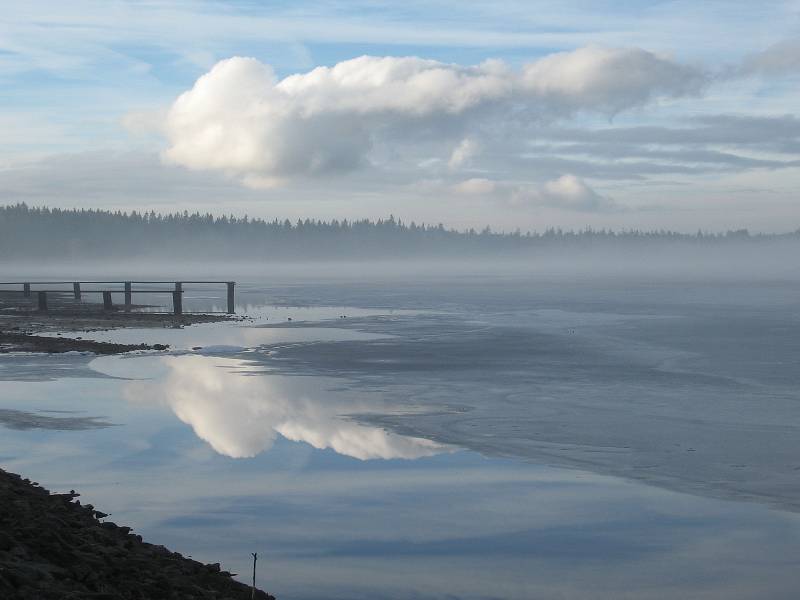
x=53, y=547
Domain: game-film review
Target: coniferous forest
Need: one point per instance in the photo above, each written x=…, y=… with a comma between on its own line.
x=40, y=232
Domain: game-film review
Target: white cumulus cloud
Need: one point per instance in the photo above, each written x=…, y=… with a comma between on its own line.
x=572, y=192
x=568, y=192
x=240, y=119
x=608, y=80
x=476, y=186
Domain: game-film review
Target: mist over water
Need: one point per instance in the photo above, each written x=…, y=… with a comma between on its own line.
x=44, y=241
x=740, y=264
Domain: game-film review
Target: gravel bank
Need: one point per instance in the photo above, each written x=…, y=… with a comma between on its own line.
x=52, y=547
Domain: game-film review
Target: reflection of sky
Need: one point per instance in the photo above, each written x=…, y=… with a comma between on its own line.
x=225, y=336
x=327, y=525
x=456, y=525
x=240, y=413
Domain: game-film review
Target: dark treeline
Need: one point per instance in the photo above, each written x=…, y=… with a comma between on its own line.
x=80, y=233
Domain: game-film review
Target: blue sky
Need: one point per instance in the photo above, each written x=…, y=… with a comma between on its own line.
x=612, y=114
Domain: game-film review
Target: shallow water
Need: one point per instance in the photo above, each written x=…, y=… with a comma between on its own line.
x=446, y=439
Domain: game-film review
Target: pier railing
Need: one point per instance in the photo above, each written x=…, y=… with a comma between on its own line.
x=176, y=291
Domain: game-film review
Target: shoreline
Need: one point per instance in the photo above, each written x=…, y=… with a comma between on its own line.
x=52, y=547
x=20, y=326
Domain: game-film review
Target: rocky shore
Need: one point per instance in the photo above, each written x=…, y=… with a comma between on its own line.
x=52, y=547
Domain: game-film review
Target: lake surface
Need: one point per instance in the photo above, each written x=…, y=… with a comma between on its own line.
x=445, y=437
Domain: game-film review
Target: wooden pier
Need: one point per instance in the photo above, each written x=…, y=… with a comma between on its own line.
x=175, y=289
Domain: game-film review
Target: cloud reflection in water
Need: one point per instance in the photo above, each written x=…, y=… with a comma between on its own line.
x=239, y=412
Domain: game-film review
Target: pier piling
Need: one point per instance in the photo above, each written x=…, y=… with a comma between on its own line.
x=177, y=302
x=231, y=298
x=42, y=297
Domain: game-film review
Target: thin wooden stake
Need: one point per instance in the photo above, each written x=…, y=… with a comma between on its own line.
x=253, y=591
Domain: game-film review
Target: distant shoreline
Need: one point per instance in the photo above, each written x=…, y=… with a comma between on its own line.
x=43, y=235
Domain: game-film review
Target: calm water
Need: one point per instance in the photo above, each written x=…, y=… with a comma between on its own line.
x=449, y=438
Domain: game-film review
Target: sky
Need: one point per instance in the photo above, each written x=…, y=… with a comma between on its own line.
x=518, y=115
